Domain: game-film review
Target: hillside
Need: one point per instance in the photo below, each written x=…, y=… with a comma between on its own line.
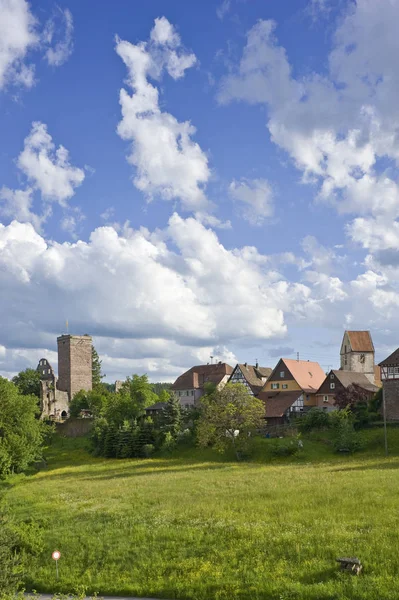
x=201, y=527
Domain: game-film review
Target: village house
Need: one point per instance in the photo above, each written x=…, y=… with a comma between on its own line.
x=253, y=377
x=302, y=376
x=190, y=386
x=390, y=382
x=338, y=380
x=279, y=407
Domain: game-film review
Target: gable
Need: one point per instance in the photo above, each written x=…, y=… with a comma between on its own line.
x=357, y=341
x=281, y=367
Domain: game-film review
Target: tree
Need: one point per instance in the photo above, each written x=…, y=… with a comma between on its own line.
x=228, y=418
x=138, y=394
x=28, y=382
x=171, y=416
x=158, y=388
x=21, y=432
x=10, y=571
x=97, y=374
x=355, y=399
x=93, y=401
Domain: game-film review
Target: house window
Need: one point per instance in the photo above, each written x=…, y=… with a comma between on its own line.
x=192, y=392
x=332, y=386
x=346, y=361
x=44, y=371
x=282, y=374
x=275, y=386
x=332, y=376
x=285, y=386
x=325, y=398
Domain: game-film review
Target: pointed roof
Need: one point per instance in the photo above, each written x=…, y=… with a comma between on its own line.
x=277, y=404
x=308, y=375
x=360, y=341
x=254, y=375
x=197, y=376
x=391, y=361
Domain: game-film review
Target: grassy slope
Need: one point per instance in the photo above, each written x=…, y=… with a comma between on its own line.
x=200, y=527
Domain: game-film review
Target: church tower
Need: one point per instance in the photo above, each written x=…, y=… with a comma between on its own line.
x=357, y=353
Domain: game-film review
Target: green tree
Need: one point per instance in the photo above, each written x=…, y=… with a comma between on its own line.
x=171, y=416
x=158, y=388
x=228, y=418
x=93, y=401
x=10, y=571
x=21, y=432
x=138, y=389
x=97, y=374
x=28, y=382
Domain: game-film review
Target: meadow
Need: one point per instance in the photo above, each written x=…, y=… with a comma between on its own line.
x=200, y=526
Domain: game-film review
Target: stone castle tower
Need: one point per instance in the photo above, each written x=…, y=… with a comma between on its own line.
x=357, y=353
x=74, y=374
x=74, y=363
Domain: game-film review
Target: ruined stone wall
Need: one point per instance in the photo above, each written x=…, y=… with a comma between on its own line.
x=53, y=402
x=391, y=391
x=75, y=427
x=74, y=363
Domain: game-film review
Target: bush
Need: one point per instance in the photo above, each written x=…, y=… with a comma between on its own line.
x=346, y=438
x=286, y=447
x=169, y=443
x=314, y=419
x=147, y=450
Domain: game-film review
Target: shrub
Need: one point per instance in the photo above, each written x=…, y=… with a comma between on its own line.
x=346, y=438
x=286, y=447
x=314, y=419
x=169, y=443
x=148, y=450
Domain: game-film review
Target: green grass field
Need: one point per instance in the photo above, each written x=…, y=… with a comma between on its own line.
x=202, y=527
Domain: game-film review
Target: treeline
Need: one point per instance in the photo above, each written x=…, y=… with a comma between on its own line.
x=22, y=434
x=121, y=428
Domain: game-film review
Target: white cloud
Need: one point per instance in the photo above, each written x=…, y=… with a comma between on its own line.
x=169, y=164
x=257, y=197
x=223, y=9
x=17, y=204
x=341, y=128
x=48, y=169
x=178, y=294
x=18, y=34
x=58, y=53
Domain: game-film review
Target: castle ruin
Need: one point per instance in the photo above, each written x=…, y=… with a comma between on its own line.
x=74, y=374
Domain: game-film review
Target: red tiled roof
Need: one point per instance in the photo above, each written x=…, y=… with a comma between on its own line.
x=360, y=341
x=197, y=376
x=308, y=375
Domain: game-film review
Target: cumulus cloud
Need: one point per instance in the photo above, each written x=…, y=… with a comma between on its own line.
x=255, y=197
x=58, y=35
x=49, y=173
x=336, y=126
x=169, y=164
x=166, y=292
x=18, y=35
x=48, y=168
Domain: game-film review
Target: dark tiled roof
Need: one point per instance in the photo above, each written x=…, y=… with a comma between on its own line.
x=392, y=360
x=348, y=378
x=254, y=374
x=197, y=376
x=277, y=404
x=360, y=341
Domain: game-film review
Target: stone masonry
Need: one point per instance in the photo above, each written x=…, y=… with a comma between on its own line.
x=391, y=391
x=74, y=363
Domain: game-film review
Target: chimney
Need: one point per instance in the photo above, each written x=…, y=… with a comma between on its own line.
x=257, y=366
x=245, y=364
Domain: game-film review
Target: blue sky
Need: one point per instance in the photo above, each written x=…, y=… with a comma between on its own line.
x=228, y=184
